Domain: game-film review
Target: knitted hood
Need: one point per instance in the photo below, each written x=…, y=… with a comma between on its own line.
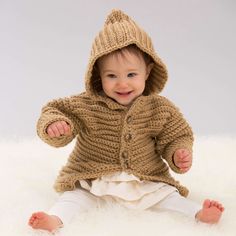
x=120, y=31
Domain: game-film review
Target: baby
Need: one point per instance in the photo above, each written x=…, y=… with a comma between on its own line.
x=128, y=136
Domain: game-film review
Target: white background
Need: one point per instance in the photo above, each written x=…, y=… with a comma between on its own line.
x=45, y=46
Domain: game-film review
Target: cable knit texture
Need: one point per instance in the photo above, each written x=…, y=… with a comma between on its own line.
x=140, y=139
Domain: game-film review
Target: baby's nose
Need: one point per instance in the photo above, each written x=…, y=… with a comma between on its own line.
x=122, y=82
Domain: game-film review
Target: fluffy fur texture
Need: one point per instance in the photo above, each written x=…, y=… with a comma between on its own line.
x=29, y=167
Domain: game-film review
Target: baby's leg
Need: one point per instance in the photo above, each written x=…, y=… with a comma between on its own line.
x=210, y=212
x=68, y=204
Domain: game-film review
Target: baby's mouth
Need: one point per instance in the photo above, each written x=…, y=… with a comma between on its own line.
x=124, y=93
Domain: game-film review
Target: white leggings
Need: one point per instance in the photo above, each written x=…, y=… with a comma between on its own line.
x=79, y=200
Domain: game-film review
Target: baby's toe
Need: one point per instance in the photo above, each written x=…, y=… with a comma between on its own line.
x=207, y=203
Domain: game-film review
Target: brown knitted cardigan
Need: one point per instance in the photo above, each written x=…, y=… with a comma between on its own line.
x=112, y=137
x=140, y=139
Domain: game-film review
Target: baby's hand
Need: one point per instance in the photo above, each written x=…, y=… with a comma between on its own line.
x=58, y=128
x=183, y=159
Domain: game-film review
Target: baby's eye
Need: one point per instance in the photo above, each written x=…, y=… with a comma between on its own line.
x=131, y=75
x=111, y=76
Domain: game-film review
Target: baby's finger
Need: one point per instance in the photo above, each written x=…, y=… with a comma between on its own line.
x=51, y=132
x=60, y=128
x=186, y=160
x=177, y=161
x=55, y=129
x=179, y=152
x=66, y=127
x=185, y=153
x=187, y=157
x=185, y=165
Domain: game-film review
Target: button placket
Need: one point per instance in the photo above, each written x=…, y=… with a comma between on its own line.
x=127, y=137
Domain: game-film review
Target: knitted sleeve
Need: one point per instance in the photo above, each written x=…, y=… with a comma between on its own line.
x=176, y=133
x=57, y=110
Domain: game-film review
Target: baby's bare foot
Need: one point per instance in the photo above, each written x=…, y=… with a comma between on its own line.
x=41, y=220
x=210, y=212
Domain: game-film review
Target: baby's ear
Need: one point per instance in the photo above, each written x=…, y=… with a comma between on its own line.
x=149, y=68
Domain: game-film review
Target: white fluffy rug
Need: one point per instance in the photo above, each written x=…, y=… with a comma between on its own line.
x=29, y=167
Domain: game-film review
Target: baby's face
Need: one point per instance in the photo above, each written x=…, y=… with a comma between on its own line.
x=123, y=77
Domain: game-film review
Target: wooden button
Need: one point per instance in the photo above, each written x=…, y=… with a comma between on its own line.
x=129, y=119
x=128, y=137
x=125, y=154
x=126, y=164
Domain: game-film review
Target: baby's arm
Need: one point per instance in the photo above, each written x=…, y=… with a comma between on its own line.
x=176, y=135
x=58, y=125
